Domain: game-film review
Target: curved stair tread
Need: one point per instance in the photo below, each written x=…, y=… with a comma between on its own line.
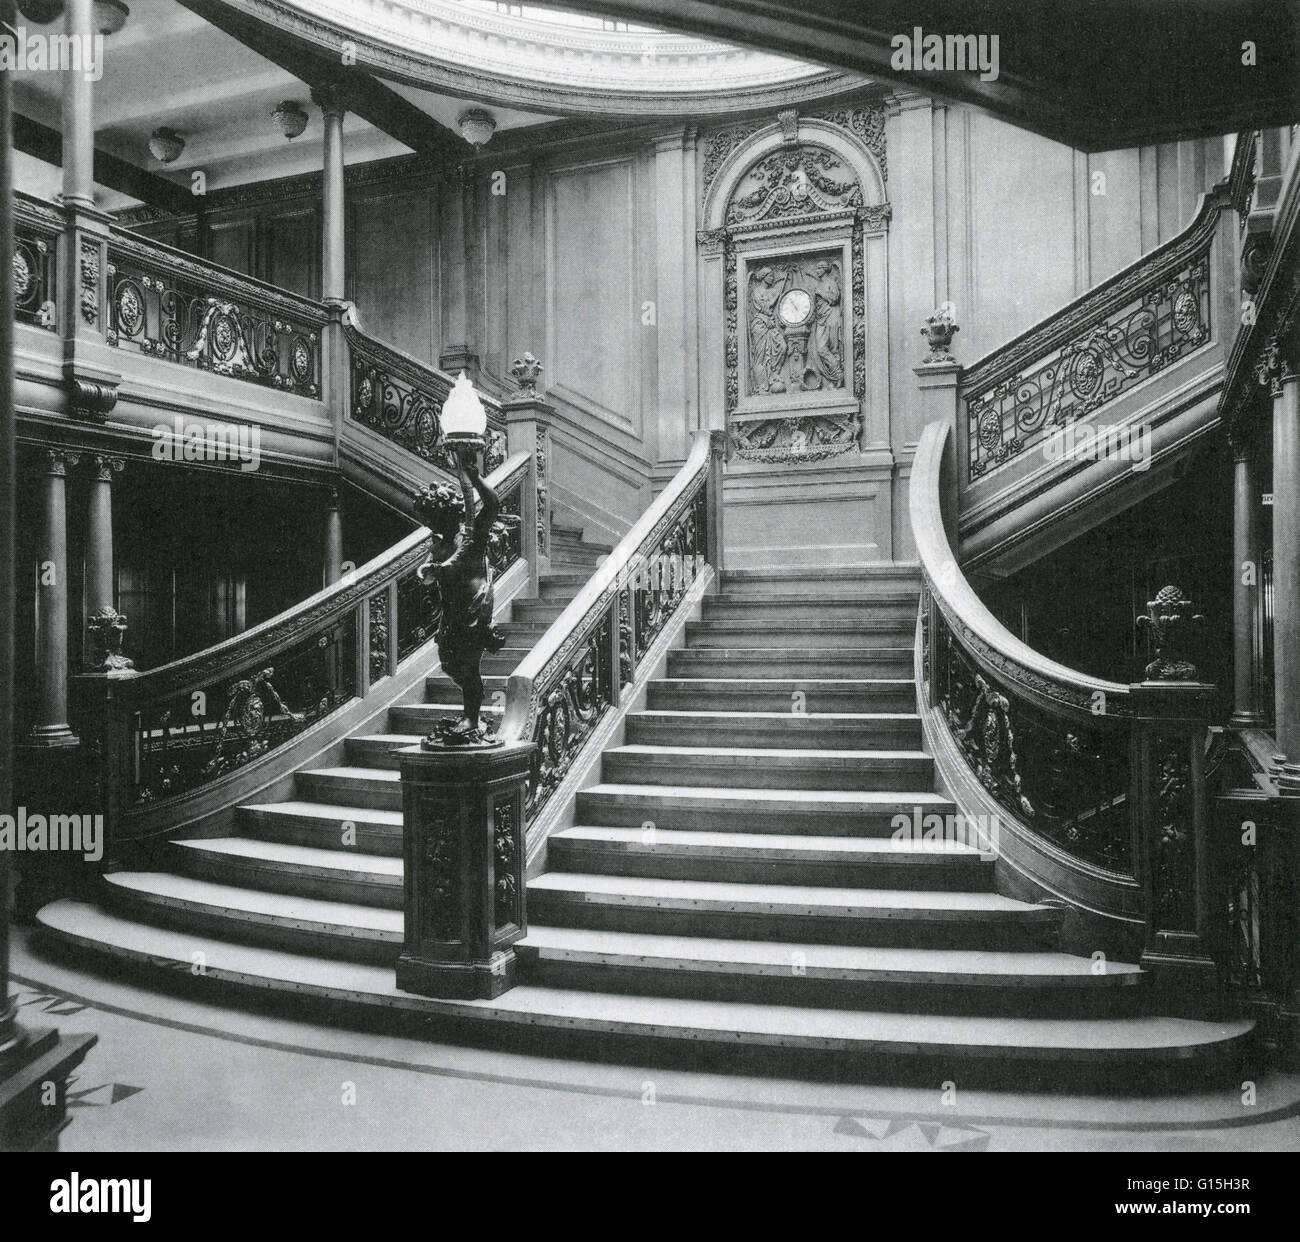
x=867, y=901
x=342, y=860
x=772, y=845
x=354, y=773
x=783, y=799
x=327, y=811
x=251, y=902
x=766, y=754
x=795, y=718
x=1142, y=1039
x=1026, y=968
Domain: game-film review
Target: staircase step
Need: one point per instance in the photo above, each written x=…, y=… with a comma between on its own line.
x=379, y=750
x=562, y=585
x=247, y=916
x=952, y=981
x=886, y=632
x=505, y=661
x=547, y=610
x=419, y=718
x=840, y=813
x=842, y=1044
x=852, y=662
x=813, y=730
x=790, y=912
x=893, y=603
x=439, y=688
x=324, y=825
x=775, y=694
x=294, y=870
x=377, y=788
x=764, y=768
x=834, y=582
x=755, y=858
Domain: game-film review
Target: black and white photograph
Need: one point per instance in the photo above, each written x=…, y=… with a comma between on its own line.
x=649, y=576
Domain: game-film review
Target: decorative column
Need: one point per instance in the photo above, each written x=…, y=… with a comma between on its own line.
x=330, y=99
x=51, y=726
x=90, y=373
x=1247, y=583
x=78, y=109
x=459, y=265
x=463, y=852
x=1284, y=381
x=101, y=605
x=528, y=424
x=333, y=539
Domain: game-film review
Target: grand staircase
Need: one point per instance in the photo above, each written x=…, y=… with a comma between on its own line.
x=730, y=894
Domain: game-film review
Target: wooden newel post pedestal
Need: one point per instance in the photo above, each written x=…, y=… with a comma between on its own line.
x=463, y=815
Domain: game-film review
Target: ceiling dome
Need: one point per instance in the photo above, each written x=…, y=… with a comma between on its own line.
x=535, y=57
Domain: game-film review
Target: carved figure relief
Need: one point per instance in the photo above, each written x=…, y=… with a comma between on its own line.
x=796, y=325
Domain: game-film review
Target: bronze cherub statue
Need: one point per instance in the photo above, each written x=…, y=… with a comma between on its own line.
x=460, y=569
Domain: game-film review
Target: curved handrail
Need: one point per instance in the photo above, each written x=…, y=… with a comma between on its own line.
x=173, y=737
x=262, y=641
x=1062, y=690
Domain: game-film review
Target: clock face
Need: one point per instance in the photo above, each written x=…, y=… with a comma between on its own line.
x=795, y=308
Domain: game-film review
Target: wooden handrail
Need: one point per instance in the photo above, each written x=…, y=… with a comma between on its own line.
x=317, y=612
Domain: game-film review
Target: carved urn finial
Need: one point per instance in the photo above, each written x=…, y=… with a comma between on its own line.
x=1170, y=620
x=107, y=628
x=939, y=330
x=526, y=372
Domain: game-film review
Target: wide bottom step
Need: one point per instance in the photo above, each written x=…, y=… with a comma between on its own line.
x=1062, y=1054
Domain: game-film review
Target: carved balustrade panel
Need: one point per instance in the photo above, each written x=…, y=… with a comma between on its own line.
x=210, y=322
x=34, y=280
x=579, y=694
x=401, y=399
x=1067, y=782
x=1166, y=318
x=419, y=613
x=183, y=742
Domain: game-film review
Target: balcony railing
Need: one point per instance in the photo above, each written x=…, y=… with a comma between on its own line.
x=1128, y=329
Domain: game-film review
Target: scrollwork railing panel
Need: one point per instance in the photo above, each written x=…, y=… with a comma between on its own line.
x=186, y=741
x=1120, y=334
x=200, y=316
x=401, y=399
x=1066, y=781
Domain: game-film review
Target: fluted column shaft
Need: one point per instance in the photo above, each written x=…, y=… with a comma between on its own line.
x=333, y=271
x=1286, y=559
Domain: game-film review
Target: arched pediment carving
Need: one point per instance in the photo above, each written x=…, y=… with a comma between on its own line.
x=792, y=182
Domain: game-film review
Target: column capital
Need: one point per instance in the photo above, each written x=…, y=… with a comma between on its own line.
x=55, y=462
x=332, y=98
x=101, y=467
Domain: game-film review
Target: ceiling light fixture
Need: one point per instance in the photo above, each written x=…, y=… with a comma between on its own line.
x=290, y=117
x=110, y=16
x=477, y=125
x=166, y=144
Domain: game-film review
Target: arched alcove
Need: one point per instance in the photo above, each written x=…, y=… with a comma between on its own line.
x=794, y=255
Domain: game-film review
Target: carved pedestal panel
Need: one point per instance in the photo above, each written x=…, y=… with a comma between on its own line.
x=463, y=814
